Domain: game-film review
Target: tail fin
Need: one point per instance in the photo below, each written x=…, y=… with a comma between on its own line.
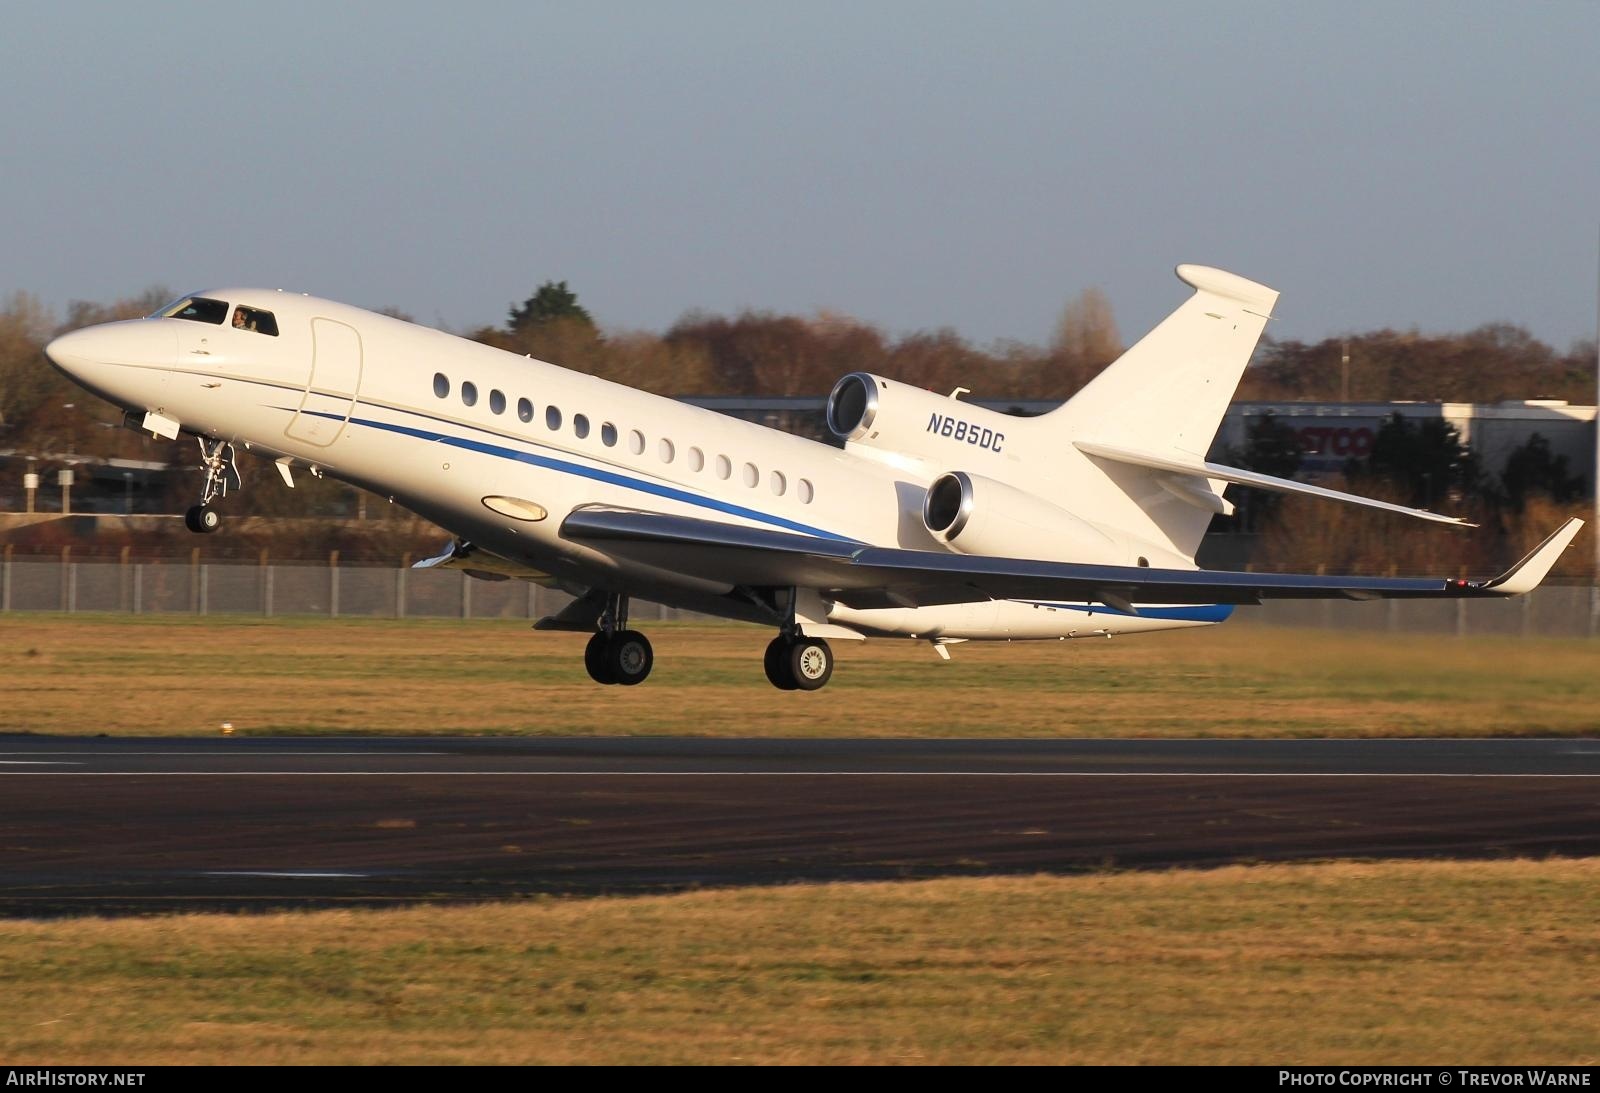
x=1165, y=396
x=1169, y=392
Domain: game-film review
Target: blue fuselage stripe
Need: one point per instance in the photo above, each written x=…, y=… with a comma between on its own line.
x=1208, y=612
x=595, y=473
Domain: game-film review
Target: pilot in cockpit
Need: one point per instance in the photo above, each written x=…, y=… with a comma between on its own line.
x=239, y=320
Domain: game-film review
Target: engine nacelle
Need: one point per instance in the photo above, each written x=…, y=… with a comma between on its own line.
x=893, y=417
x=976, y=515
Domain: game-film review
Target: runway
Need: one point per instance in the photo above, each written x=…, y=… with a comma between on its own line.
x=134, y=825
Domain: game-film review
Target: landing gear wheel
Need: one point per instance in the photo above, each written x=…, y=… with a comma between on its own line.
x=810, y=663
x=202, y=519
x=776, y=662
x=596, y=660
x=629, y=657
x=624, y=657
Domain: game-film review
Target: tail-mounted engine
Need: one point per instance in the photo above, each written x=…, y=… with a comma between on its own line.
x=976, y=515
x=893, y=417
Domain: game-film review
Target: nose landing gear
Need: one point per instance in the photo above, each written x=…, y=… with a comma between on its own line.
x=219, y=462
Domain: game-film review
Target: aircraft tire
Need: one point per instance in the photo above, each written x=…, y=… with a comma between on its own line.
x=596, y=658
x=776, y=663
x=202, y=520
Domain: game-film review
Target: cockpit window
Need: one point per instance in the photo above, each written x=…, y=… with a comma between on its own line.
x=252, y=318
x=197, y=308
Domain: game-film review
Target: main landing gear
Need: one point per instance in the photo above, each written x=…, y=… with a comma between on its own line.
x=795, y=662
x=616, y=654
x=219, y=463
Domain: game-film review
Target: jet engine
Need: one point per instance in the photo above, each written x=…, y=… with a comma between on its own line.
x=972, y=514
x=870, y=412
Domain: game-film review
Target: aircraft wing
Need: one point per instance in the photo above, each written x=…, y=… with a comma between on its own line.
x=866, y=576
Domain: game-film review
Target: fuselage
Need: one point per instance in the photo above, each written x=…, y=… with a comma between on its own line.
x=499, y=448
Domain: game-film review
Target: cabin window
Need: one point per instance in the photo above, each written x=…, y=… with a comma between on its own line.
x=697, y=459
x=469, y=393
x=580, y=425
x=497, y=402
x=197, y=309
x=254, y=320
x=666, y=451
x=441, y=385
x=805, y=491
x=636, y=442
x=552, y=418
x=752, y=476
x=779, y=483
x=608, y=435
x=524, y=409
x=724, y=467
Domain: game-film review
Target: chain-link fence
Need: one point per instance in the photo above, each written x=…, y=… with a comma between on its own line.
x=1554, y=611
x=212, y=588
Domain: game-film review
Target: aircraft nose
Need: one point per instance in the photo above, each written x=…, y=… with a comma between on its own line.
x=78, y=350
x=115, y=358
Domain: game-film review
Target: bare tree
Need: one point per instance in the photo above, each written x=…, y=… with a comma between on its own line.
x=25, y=326
x=1086, y=334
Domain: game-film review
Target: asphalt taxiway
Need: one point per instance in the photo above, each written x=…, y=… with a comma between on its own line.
x=118, y=825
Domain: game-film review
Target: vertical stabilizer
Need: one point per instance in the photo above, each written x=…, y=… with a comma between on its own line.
x=1169, y=392
x=1164, y=396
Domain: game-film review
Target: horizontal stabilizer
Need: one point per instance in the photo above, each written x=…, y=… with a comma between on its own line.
x=1199, y=469
x=1229, y=286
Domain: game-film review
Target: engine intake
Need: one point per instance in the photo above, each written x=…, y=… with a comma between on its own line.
x=948, y=505
x=853, y=405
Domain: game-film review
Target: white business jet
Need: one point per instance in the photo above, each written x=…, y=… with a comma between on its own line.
x=939, y=520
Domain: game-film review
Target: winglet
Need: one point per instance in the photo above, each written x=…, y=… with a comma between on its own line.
x=1527, y=574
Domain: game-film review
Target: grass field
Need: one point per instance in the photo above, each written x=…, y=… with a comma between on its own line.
x=1448, y=963
x=178, y=675
x=1442, y=963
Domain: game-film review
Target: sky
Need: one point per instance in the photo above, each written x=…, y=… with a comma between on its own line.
x=916, y=165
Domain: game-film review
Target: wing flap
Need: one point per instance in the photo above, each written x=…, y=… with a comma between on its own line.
x=1016, y=579
x=713, y=551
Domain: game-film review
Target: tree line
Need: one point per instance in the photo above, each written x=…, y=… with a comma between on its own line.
x=766, y=353
x=1420, y=464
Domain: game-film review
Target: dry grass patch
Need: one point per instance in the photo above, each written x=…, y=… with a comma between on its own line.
x=1442, y=963
x=180, y=675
